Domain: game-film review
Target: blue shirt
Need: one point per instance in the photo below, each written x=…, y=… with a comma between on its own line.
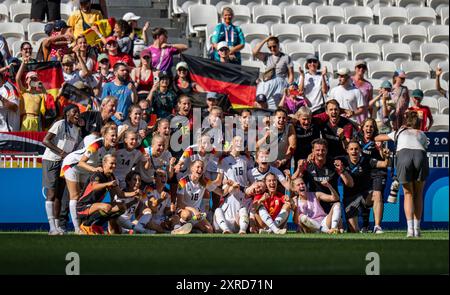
x=123, y=95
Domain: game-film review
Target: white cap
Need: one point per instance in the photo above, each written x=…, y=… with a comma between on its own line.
x=222, y=44
x=130, y=16
x=182, y=64
x=343, y=72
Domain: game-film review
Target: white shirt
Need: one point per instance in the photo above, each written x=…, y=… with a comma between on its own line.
x=255, y=174
x=9, y=120
x=349, y=99
x=65, y=139
x=313, y=90
x=192, y=193
x=125, y=162
x=412, y=139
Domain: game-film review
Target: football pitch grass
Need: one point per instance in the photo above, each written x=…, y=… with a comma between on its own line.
x=197, y=254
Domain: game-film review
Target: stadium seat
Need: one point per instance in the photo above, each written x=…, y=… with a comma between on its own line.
x=437, y=4
x=246, y=52
x=396, y=52
x=348, y=34
x=255, y=33
x=333, y=82
x=333, y=52
x=298, y=51
x=376, y=83
x=443, y=105
x=438, y=34
x=12, y=31
x=424, y=16
x=416, y=70
x=286, y=32
x=432, y=103
x=413, y=35
x=359, y=15
x=4, y=14
x=182, y=6
x=440, y=123
x=329, y=66
x=411, y=84
x=199, y=16
x=282, y=3
x=219, y=4
x=255, y=64
x=19, y=11
x=348, y=64
x=242, y=14
x=315, y=34
x=434, y=53
x=330, y=16
x=250, y=3
x=444, y=16
x=366, y=51
x=298, y=15
x=36, y=31
x=267, y=14
x=344, y=3
x=377, y=4
x=445, y=72
x=428, y=86
x=381, y=69
x=312, y=3
x=379, y=34
x=394, y=17
x=15, y=48
x=66, y=11
x=410, y=3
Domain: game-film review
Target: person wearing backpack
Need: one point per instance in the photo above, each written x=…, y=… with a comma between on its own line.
x=82, y=19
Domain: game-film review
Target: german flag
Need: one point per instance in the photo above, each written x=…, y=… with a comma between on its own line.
x=182, y=183
x=237, y=81
x=50, y=73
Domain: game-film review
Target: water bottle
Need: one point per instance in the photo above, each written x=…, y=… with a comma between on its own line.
x=395, y=186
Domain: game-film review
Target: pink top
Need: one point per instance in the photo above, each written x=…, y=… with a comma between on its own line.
x=311, y=207
x=292, y=105
x=366, y=89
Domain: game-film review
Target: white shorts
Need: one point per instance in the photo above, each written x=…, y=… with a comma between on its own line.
x=75, y=174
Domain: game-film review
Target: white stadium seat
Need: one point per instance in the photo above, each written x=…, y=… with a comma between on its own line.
x=348, y=64
x=344, y=3
x=443, y=105
x=444, y=16
x=282, y=3
x=267, y=14
x=437, y=4
x=376, y=83
x=15, y=48
x=333, y=83
x=396, y=52
x=428, y=86
x=315, y=34
x=410, y=3
x=12, y=31
x=333, y=52
x=250, y=3
x=440, y=123
x=394, y=17
x=431, y=102
x=411, y=84
x=359, y=15
x=434, y=53
x=312, y=3
x=36, y=31
x=381, y=69
x=66, y=11
x=379, y=34
x=416, y=70
x=366, y=51
x=255, y=64
x=4, y=13
x=424, y=16
x=330, y=15
x=298, y=51
x=199, y=17
x=286, y=32
x=219, y=4
x=414, y=35
x=445, y=72
x=242, y=14
x=298, y=15
x=254, y=33
x=182, y=6
x=438, y=34
x=329, y=66
x=246, y=52
x=19, y=11
x=348, y=34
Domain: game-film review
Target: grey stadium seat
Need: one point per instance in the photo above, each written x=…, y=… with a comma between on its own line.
x=443, y=105
x=411, y=84
x=434, y=53
x=359, y=15
x=393, y=16
x=282, y=3
x=250, y=3
x=438, y=34
x=242, y=14
x=219, y=4
x=348, y=64
x=298, y=14
x=444, y=16
x=381, y=69
x=366, y=51
x=440, y=123
x=4, y=13
x=414, y=35
x=36, y=31
x=428, y=87
x=312, y=3
x=396, y=52
x=432, y=103
x=298, y=51
x=424, y=16
x=246, y=52
x=416, y=70
x=379, y=34
x=344, y=3
x=254, y=33
x=182, y=6
x=267, y=14
x=19, y=11
x=437, y=4
x=330, y=16
x=348, y=34
x=199, y=17
x=315, y=34
x=410, y=3
x=445, y=72
x=333, y=52
x=286, y=32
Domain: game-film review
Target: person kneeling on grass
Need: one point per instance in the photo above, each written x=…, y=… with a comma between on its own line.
x=272, y=208
x=90, y=209
x=309, y=214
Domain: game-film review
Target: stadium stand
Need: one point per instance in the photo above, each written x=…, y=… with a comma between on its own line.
x=379, y=34
x=286, y=32
x=416, y=70
x=366, y=51
x=381, y=69
x=330, y=16
x=315, y=34
x=348, y=34
x=298, y=14
x=267, y=14
x=359, y=15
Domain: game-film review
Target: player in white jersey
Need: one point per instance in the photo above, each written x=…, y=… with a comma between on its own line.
x=77, y=166
x=263, y=168
x=128, y=156
x=232, y=215
x=192, y=201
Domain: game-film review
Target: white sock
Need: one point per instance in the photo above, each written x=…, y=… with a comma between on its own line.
x=410, y=223
x=281, y=217
x=73, y=214
x=336, y=215
x=416, y=225
x=57, y=223
x=243, y=220
x=220, y=219
x=267, y=219
x=309, y=223
x=50, y=216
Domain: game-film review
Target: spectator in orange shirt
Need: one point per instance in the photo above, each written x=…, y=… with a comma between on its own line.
x=423, y=112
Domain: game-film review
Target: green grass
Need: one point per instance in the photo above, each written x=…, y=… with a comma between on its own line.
x=292, y=254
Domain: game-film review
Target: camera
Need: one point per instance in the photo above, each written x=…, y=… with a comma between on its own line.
x=395, y=186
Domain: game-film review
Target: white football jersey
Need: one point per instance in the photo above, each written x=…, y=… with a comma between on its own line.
x=125, y=162
x=255, y=174
x=235, y=169
x=192, y=193
x=190, y=155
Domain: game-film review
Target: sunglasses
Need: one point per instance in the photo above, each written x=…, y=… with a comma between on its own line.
x=104, y=61
x=182, y=70
x=146, y=57
x=362, y=67
x=272, y=47
x=27, y=48
x=312, y=61
x=224, y=49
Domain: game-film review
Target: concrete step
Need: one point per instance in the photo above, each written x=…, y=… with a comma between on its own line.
x=118, y=12
x=133, y=3
x=155, y=22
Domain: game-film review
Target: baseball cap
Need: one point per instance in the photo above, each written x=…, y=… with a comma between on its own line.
x=360, y=63
x=80, y=85
x=68, y=59
x=31, y=74
x=212, y=95
x=182, y=64
x=145, y=53
x=386, y=84
x=261, y=98
x=222, y=45
x=59, y=25
x=102, y=56
x=311, y=57
x=130, y=16
x=48, y=29
x=417, y=93
x=343, y=72
x=400, y=73
x=111, y=38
